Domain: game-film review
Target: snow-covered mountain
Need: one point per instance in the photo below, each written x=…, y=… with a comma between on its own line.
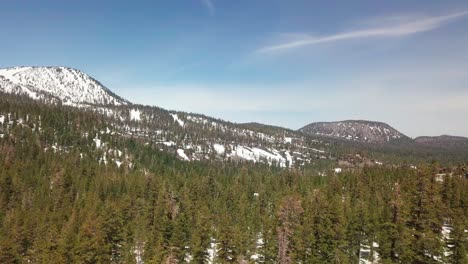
x=189, y=136
x=70, y=86
x=354, y=130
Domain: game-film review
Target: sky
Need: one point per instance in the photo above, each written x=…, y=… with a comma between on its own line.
x=279, y=62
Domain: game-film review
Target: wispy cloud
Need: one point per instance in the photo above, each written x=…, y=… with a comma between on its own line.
x=409, y=27
x=210, y=6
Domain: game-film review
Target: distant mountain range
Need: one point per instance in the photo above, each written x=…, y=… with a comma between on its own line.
x=198, y=137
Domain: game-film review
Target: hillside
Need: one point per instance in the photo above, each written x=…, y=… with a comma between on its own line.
x=355, y=130
x=195, y=137
x=92, y=183
x=444, y=141
x=73, y=190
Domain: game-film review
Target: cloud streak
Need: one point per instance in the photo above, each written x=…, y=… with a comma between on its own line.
x=210, y=6
x=397, y=30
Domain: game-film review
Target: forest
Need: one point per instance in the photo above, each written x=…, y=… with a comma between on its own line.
x=68, y=209
x=63, y=201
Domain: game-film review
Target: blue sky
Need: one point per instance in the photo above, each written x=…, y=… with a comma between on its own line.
x=280, y=62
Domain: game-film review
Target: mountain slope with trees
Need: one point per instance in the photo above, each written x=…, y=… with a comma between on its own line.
x=198, y=137
x=355, y=130
x=107, y=184
x=65, y=203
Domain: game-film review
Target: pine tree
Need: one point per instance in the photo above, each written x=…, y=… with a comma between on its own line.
x=426, y=219
x=201, y=238
x=114, y=235
x=393, y=236
x=89, y=247
x=458, y=245
x=8, y=251
x=289, y=215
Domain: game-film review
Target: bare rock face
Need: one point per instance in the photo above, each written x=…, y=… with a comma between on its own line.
x=354, y=130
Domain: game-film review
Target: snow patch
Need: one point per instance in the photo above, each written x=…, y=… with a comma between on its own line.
x=269, y=156
x=178, y=120
x=182, y=154
x=135, y=115
x=220, y=149
x=289, y=158
x=258, y=246
x=212, y=250
x=98, y=142
x=168, y=143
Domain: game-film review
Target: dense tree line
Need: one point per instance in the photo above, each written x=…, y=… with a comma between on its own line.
x=67, y=209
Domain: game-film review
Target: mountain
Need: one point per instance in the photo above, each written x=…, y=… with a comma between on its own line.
x=97, y=187
x=69, y=86
x=197, y=137
x=354, y=130
x=118, y=174
x=189, y=136
x=444, y=141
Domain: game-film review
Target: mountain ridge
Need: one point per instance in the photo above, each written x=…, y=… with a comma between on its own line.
x=71, y=86
x=443, y=141
x=194, y=136
x=355, y=130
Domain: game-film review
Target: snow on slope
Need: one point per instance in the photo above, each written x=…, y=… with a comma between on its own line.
x=182, y=154
x=208, y=138
x=220, y=149
x=270, y=156
x=71, y=86
x=9, y=87
x=135, y=115
x=178, y=120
